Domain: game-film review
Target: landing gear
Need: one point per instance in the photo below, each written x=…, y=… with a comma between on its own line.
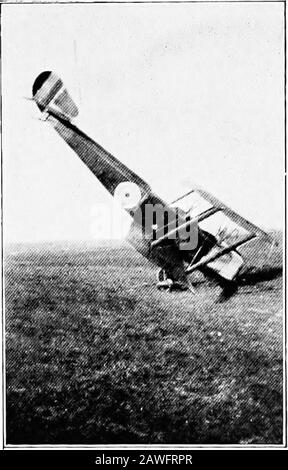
x=164, y=282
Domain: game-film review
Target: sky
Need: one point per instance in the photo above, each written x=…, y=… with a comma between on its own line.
x=183, y=94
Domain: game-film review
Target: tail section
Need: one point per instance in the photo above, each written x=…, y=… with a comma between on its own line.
x=50, y=94
x=52, y=98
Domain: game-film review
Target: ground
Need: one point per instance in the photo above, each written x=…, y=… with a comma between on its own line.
x=96, y=355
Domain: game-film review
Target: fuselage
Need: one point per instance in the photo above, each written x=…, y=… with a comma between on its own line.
x=112, y=173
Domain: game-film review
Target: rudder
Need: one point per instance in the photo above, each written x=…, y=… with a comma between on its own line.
x=49, y=93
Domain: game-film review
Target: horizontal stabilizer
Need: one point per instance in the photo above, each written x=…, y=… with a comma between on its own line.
x=50, y=94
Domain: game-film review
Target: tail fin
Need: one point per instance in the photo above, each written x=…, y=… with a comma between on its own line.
x=50, y=95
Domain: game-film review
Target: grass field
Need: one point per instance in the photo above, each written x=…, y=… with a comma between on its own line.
x=93, y=356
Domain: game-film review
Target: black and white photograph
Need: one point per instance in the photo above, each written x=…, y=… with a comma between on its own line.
x=143, y=225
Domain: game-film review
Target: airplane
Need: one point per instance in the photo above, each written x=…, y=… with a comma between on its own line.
x=195, y=233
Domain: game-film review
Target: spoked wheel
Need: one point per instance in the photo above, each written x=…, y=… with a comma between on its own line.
x=163, y=280
x=161, y=275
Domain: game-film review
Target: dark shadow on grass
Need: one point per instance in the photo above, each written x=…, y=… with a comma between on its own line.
x=253, y=275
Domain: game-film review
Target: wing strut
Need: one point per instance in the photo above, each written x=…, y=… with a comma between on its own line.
x=213, y=256
x=174, y=231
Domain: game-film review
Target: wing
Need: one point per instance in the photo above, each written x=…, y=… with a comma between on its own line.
x=197, y=202
x=229, y=229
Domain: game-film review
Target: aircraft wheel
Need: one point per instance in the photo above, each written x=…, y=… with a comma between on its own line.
x=161, y=275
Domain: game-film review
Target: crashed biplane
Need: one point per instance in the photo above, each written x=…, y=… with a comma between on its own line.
x=196, y=232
